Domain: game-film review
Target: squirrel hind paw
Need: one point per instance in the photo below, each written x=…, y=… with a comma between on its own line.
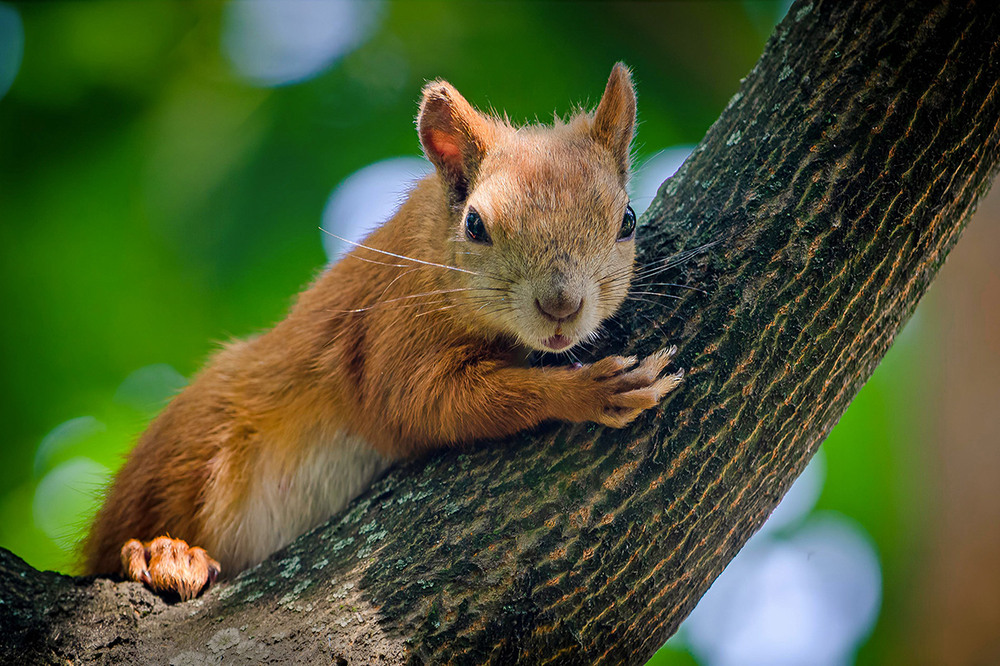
x=169, y=566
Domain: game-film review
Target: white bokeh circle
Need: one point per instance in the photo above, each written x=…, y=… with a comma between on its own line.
x=366, y=199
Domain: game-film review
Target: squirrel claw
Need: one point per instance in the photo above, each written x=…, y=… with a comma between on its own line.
x=635, y=386
x=213, y=571
x=168, y=565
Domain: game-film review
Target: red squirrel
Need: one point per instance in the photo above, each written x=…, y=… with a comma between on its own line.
x=522, y=239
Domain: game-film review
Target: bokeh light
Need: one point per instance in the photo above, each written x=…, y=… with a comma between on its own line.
x=800, y=499
x=148, y=389
x=66, y=498
x=804, y=590
x=650, y=174
x=11, y=46
x=277, y=42
x=65, y=437
x=366, y=199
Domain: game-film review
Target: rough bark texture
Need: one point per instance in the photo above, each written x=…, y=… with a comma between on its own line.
x=834, y=184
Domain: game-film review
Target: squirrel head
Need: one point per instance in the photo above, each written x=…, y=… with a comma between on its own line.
x=539, y=215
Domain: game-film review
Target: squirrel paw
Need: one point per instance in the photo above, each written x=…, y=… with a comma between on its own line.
x=627, y=386
x=169, y=565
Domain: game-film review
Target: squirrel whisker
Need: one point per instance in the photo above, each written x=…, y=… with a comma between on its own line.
x=401, y=256
x=651, y=269
x=426, y=293
x=373, y=261
x=672, y=284
x=655, y=293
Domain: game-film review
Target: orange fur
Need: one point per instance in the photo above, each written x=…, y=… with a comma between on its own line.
x=414, y=341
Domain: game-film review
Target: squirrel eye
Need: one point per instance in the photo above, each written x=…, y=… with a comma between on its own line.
x=475, y=230
x=628, y=225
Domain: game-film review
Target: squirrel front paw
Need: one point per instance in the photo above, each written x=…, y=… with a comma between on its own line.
x=169, y=565
x=620, y=387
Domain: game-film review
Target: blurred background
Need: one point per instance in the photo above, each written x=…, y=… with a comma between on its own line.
x=165, y=169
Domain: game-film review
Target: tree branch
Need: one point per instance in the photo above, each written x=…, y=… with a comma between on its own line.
x=834, y=184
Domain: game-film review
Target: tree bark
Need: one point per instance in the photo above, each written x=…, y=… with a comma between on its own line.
x=832, y=186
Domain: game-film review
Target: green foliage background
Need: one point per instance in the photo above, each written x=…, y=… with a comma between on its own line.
x=152, y=203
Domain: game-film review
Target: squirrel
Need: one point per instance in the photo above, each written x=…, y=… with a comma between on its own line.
x=418, y=339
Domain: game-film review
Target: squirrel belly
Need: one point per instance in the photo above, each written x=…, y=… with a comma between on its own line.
x=279, y=504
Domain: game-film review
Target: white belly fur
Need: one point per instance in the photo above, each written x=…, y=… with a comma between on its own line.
x=281, y=504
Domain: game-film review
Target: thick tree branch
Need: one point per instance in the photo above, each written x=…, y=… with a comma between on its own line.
x=833, y=185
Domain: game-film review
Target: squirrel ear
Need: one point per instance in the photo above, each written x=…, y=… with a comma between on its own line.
x=454, y=135
x=614, y=119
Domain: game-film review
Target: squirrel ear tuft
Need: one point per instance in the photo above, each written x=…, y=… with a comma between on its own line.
x=454, y=135
x=614, y=118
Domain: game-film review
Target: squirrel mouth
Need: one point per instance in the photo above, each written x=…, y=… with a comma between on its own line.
x=557, y=342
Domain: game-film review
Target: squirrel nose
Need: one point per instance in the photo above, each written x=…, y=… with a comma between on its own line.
x=559, y=307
